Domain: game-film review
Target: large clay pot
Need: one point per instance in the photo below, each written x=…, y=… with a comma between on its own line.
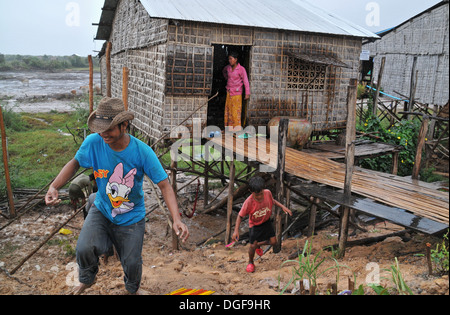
x=299, y=130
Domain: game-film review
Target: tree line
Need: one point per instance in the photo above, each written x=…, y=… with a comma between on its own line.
x=45, y=62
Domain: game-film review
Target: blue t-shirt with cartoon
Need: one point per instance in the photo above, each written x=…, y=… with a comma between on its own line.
x=119, y=177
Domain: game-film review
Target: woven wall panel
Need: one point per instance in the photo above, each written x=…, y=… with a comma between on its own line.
x=189, y=70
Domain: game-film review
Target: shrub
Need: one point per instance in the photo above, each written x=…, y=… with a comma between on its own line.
x=403, y=133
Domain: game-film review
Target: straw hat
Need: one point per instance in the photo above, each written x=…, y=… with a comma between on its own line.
x=110, y=112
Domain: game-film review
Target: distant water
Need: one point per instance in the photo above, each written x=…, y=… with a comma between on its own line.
x=37, y=91
x=40, y=83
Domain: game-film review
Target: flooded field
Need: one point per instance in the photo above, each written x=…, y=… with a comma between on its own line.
x=41, y=91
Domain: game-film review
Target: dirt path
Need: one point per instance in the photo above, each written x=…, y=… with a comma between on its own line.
x=52, y=270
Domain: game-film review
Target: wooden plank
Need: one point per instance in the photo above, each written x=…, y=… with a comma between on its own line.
x=370, y=207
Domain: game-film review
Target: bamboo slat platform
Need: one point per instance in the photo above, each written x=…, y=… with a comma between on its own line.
x=335, y=152
x=388, y=189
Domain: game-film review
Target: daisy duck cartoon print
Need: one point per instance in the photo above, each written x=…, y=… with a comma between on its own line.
x=118, y=189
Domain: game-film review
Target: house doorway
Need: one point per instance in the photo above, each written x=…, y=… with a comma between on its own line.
x=216, y=107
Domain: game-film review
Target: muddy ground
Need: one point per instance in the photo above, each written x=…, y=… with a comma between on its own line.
x=211, y=266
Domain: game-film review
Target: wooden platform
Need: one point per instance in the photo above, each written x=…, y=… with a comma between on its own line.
x=371, y=208
x=362, y=151
x=406, y=195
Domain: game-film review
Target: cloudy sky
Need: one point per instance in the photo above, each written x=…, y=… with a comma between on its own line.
x=64, y=27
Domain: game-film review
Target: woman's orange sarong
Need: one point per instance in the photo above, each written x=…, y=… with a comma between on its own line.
x=233, y=111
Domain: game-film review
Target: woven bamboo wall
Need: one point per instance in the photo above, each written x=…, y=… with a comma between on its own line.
x=425, y=37
x=171, y=63
x=274, y=93
x=140, y=43
x=268, y=72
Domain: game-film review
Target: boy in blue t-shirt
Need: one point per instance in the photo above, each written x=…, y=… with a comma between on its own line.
x=119, y=162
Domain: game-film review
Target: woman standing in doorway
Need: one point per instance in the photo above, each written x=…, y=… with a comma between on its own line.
x=236, y=77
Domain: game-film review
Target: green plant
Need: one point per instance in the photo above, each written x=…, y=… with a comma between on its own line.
x=397, y=279
x=428, y=175
x=379, y=289
x=403, y=133
x=439, y=256
x=12, y=120
x=309, y=266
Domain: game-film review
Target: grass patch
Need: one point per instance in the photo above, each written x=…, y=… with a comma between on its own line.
x=38, y=152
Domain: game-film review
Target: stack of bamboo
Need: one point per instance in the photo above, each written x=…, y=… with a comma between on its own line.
x=385, y=188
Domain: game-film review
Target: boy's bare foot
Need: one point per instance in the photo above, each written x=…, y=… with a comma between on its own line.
x=79, y=289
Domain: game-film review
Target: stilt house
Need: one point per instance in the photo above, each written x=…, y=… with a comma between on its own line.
x=299, y=59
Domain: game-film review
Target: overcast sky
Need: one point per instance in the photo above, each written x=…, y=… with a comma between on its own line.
x=64, y=27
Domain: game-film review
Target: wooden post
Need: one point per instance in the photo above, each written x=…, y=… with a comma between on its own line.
x=282, y=139
x=12, y=211
x=395, y=156
x=429, y=263
x=420, y=145
x=412, y=88
x=91, y=85
x=287, y=194
x=206, y=185
x=108, y=69
x=349, y=163
x=312, y=217
x=173, y=180
x=125, y=87
x=377, y=93
x=230, y=201
x=432, y=126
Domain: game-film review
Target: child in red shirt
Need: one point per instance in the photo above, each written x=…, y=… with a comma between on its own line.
x=259, y=209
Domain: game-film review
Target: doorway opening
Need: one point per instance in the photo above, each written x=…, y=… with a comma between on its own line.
x=216, y=107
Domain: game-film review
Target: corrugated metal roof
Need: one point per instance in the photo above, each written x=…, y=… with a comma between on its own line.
x=106, y=20
x=293, y=15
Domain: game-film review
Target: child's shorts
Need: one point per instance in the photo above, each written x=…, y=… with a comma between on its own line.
x=262, y=232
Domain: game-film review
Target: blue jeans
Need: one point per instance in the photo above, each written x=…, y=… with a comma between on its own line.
x=97, y=237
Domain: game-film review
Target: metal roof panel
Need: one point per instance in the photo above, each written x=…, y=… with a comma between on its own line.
x=294, y=15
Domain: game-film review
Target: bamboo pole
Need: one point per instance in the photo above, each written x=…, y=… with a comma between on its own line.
x=34, y=197
x=91, y=85
x=166, y=213
x=12, y=211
